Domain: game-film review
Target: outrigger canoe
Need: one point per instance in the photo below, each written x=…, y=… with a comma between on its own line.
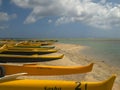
x=11, y=83
x=28, y=58
x=9, y=47
x=27, y=51
x=35, y=69
x=27, y=43
x=47, y=47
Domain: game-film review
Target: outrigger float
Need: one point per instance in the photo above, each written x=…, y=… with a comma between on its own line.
x=35, y=69
x=11, y=83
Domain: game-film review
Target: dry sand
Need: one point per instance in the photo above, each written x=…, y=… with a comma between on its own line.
x=74, y=57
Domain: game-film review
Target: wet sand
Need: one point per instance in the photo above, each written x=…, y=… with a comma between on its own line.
x=73, y=57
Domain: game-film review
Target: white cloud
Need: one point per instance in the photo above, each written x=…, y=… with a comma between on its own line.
x=3, y=27
x=103, y=1
x=5, y=17
x=100, y=14
x=49, y=21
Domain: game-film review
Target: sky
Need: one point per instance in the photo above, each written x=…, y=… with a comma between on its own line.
x=59, y=18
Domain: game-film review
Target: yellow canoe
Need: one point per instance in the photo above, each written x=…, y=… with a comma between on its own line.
x=24, y=51
x=6, y=49
x=28, y=84
x=30, y=48
x=27, y=43
x=28, y=58
x=13, y=47
x=35, y=69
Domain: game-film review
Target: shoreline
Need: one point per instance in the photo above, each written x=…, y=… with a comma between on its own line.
x=101, y=69
x=73, y=56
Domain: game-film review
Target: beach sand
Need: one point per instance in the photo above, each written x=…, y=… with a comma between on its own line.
x=73, y=56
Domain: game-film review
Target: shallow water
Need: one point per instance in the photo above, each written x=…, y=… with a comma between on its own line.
x=107, y=50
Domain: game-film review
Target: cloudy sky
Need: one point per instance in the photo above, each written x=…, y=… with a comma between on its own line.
x=60, y=18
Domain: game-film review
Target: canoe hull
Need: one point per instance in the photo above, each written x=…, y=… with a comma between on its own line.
x=46, y=70
x=28, y=58
x=11, y=50
x=47, y=47
x=28, y=52
x=56, y=85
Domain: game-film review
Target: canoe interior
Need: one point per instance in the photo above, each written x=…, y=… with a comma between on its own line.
x=25, y=53
x=10, y=59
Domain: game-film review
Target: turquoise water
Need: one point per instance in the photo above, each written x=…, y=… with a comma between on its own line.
x=107, y=50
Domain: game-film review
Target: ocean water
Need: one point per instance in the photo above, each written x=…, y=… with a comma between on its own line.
x=107, y=50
